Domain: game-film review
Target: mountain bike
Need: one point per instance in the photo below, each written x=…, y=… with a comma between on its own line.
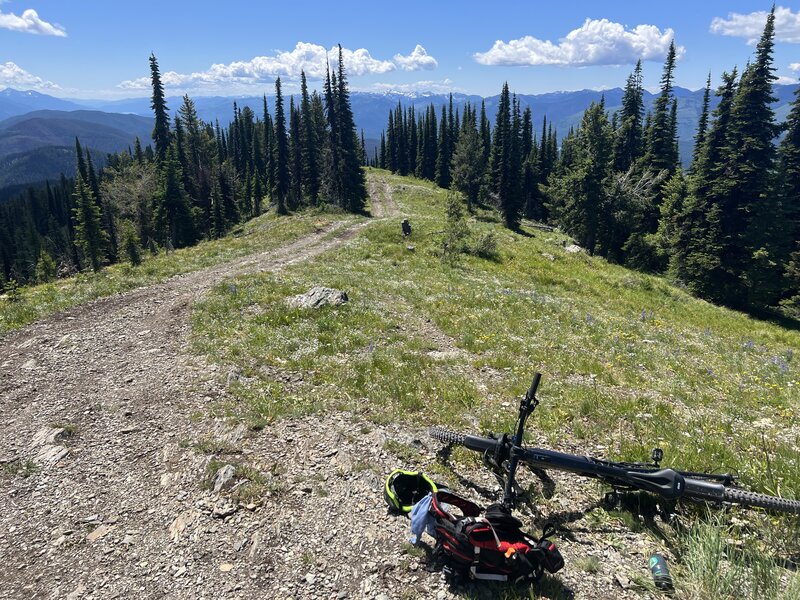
x=503, y=454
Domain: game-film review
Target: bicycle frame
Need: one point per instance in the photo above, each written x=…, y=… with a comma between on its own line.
x=503, y=455
x=664, y=482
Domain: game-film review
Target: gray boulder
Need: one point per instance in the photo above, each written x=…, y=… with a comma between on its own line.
x=318, y=297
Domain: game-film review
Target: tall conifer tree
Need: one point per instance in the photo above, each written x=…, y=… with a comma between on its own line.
x=158, y=103
x=280, y=153
x=662, y=137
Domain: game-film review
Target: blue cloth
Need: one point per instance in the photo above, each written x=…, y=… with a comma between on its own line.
x=422, y=519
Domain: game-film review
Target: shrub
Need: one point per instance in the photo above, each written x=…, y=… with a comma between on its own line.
x=12, y=291
x=456, y=230
x=485, y=245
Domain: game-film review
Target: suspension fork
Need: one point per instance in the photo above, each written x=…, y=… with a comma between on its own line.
x=526, y=406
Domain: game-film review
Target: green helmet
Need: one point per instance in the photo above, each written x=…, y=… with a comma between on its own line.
x=403, y=489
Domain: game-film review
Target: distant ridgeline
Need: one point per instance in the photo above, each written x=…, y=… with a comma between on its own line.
x=194, y=182
x=728, y=227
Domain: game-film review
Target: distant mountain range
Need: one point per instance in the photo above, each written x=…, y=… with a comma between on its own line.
x=14, y=102
x=36, y=129
x=40, y=144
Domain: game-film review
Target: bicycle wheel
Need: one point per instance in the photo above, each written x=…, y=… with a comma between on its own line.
x=702, y=488
x=448, y=436
x=772, y=503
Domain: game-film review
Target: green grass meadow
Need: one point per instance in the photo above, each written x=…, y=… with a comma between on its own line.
x=629, y=360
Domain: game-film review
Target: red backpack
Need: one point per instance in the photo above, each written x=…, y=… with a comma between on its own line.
x=491, y=547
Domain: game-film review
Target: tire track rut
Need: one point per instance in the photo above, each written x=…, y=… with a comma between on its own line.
x=111, y=385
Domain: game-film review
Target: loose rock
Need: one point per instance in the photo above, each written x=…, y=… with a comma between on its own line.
x=223, y=480
x=318, y=297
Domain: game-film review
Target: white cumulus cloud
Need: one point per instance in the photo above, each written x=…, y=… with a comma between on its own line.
x=418, y=60
x=12, y=75
x=311, y=58
x=785, y=80
x=795, y=67
x=29, y=22
x=751, y=25
x=596, y=42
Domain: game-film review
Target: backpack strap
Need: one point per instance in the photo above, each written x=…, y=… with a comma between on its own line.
x=442, y=497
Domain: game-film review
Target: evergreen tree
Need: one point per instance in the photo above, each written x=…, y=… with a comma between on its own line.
x=348, y=186
x=172, y=217
x=269, y=162
x=628, y=136
x=697, y=261
x=391, y=144
x=280, y=152
x=443, y=153
x=485, y=131
x=516, y=157
x=668, y=239
x=130, y=243
x=106, y=211
x=382, y=163
x=198, y=156
x=137, y=151
x=533, y=204
x=362, y=147
x=158, y=103
x=45, y=268
x=789, y=193
x=702, y=123
x=90, y=237
x=80, y=168
x=468, y=164
x=663, y=134
x=412, y=141
x=218, y=224
x=749, y=223
x=581, y=198
x=505, y=174
x=230, y=189
x=295, y=157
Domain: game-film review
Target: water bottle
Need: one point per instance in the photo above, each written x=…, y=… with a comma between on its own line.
x=661, y=576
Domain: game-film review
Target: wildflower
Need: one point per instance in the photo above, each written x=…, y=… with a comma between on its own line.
x=780, y=363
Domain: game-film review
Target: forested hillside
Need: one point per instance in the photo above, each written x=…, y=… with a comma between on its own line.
x=195, y=182
x=728, y=227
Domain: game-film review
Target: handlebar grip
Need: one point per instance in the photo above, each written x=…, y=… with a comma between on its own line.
x=534, y=384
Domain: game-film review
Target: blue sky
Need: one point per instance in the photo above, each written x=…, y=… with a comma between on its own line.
x=99, y=48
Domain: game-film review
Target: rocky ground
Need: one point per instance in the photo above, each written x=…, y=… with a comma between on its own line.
x=108, y=463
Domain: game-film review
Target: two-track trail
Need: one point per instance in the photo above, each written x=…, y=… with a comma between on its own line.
x=96, y=400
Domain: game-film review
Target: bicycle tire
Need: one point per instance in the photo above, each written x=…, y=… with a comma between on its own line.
x=472, y=442
x=772, y=503
x=448, y=436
